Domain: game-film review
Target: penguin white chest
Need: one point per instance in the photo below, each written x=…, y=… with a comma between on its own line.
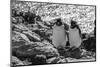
x=59, y=36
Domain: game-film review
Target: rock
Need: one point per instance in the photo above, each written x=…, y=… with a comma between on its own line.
x=39, y=59
x=48, y=24
x=44, y=35
x=25, y=36
x=49, y=31
x=21, y=27
x=74, y=53
x=39, y=32
x=14, y=20
x=32, y=36
x=42, y=25
x=47, y=43
x=79, y=60
x=33, y=27
x=87, y=54
x=52, y=60
x=49, y=51
x=27, y=61
x=17, y=40
x=15, y=61
x=61, y=51
x=62, y=61
x=33, y=50
x=39, y=44
x=90, y=44
x=25, y=51
x=55, y=60
x=16, y=44
x=20, y=36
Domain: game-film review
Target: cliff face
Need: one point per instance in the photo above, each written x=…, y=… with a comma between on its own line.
x=32, y=23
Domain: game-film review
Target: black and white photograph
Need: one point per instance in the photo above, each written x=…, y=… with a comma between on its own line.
x=45, y=33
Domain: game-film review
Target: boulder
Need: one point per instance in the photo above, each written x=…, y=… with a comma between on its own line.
x=32, y=50
x=52, y=60
x=32, y=36
x=55, y=60
x=90, y=44
x=73, y=53
x=39, y=59
x=15, y=61
x=49, y=51
x=20, y=36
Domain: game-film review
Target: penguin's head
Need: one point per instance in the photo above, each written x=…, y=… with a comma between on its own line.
x=58, y=22
x=73, y=24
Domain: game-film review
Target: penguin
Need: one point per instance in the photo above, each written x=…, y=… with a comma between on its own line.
x=74, y=35
x=59, y=35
